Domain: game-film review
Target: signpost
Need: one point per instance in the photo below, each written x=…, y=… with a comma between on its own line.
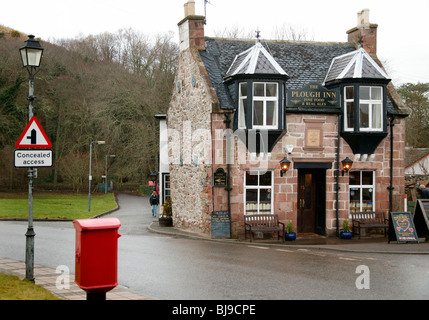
x=30, y=154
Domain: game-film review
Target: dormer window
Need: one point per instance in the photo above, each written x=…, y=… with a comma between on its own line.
x=369, y=115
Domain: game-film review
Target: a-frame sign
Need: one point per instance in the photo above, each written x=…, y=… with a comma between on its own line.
x=33, y=137
x=401, y=228
x=421, y=218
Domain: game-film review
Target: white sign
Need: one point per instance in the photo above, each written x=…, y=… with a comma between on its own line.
x=33, y=158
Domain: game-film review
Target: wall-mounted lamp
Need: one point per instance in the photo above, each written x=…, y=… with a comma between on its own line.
x=284, y=166
x=347, y=165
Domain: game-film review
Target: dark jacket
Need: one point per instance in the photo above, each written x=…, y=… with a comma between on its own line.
x=154, y=200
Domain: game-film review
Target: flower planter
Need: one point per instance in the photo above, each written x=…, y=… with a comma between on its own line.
x=346, y=235
x=290, y=236
x=165, y=222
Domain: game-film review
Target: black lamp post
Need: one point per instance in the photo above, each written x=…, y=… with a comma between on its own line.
x=31, y=56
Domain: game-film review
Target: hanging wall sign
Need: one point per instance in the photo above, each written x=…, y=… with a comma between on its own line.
x=219, y=178
x=403, y=227
x=313, y=95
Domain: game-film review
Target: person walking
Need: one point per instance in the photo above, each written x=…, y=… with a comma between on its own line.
x=154, y=202
x=425, y=191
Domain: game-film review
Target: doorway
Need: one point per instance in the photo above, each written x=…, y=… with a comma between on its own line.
x=311, y=201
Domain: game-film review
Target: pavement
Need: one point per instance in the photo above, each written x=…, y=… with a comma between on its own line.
x=47, y=277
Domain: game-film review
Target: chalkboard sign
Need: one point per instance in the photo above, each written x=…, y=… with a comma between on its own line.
x=421, y=218
x=221, y=225
x=402, y=224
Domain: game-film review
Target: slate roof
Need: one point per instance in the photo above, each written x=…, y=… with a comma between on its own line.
x=414, y=155
x=253, y=61
x=303, y=62
x=355, y=65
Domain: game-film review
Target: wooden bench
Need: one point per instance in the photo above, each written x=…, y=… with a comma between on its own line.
x=263, y=223
x=366, y=220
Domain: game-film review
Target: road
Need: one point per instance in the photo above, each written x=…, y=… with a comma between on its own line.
x=167, y=267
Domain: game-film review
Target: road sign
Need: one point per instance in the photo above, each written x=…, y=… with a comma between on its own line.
x=33, y=158
x=33, y=137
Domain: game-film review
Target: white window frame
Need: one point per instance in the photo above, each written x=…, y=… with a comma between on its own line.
x=241, y=107
x=361, y=187
x=346, y=122
x=371, y=103
x=264, y=100
x=259, y=187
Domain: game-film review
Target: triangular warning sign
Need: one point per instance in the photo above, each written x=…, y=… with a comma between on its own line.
x=33, y=137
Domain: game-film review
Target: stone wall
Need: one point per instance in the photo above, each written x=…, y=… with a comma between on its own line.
x=189, y=118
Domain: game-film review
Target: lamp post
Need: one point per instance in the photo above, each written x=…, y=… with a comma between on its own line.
x=90, y=176
x=31, y=56
x=108, y=156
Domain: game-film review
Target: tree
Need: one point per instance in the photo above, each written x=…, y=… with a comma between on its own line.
x=99, y=87
x=416, y=98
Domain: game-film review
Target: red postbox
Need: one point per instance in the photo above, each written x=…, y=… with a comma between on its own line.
x=96, y=261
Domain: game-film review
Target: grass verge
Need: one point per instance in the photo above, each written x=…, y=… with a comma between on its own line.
x=55, y=205
x=12, y=288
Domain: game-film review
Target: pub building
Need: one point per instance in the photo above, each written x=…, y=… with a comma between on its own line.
x=309, y=131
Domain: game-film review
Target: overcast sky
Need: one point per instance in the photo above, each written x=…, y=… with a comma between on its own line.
x=402, y=25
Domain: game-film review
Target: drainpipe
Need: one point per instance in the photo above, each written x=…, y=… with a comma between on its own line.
x=391, y=188
x=337, y=195
x=228, y=161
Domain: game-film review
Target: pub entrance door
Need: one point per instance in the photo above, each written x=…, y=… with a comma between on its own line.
x=311, y=201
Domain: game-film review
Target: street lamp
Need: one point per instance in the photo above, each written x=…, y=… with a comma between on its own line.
x=31, y=56
x=107, y=156
x=90, y=176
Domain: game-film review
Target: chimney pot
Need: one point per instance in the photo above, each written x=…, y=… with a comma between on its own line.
x=365, y=33
x=191, y=29
x=190, y=8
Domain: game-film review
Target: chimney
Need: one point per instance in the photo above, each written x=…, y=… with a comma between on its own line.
x=365, y=33
x=191, y=29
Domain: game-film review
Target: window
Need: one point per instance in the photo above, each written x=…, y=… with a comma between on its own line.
x=166, y=187
x=258, y=194
x=349, y=108
x=242, y=102
x=371, y=108
x=265, y=105
x=362, y=191
x=370, y=112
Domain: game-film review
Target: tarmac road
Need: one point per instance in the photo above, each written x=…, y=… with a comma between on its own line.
x=175, y=267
